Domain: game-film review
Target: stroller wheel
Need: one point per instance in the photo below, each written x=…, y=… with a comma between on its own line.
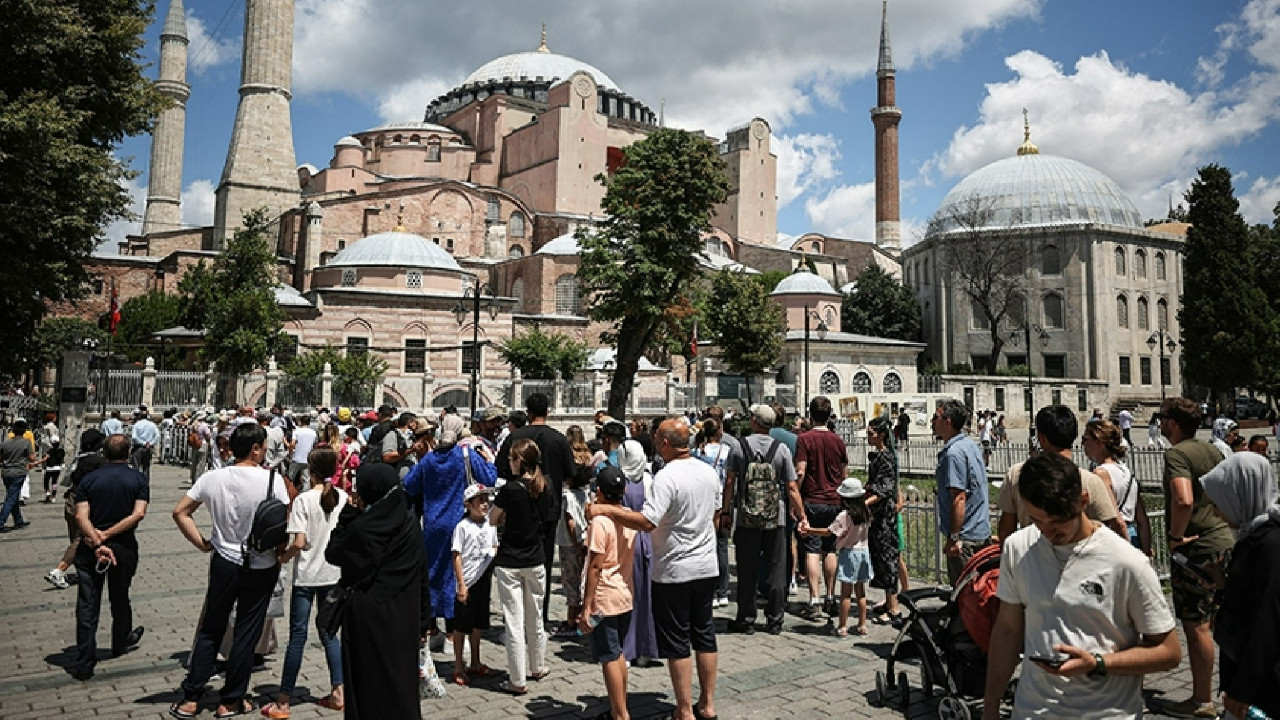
x=882, y=691
x=953, y=708
x=904, y=694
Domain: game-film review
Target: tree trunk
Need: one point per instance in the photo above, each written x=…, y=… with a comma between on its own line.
x=997, y=344
x=631, y=343
x=748, y=379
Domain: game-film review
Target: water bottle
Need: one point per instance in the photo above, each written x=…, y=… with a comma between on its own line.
x=1256, y=713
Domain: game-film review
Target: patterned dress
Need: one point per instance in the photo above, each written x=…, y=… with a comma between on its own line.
x=882, y=538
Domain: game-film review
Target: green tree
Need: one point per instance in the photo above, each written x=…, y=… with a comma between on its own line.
x=354, y=374
x=746, y=327
x=881, y=306
x=545, y=356
x=239, y=311
x=142, y=316
x=71, y=88
x=56, y=335
x=1265, y=250
x=197, y=293
x=643, y=257
x=1227, y=322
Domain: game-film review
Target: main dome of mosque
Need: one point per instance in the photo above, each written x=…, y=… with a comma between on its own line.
x=1034, y=190
x=537, y=64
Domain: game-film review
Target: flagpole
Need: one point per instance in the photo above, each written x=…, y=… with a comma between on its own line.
x=112, y=311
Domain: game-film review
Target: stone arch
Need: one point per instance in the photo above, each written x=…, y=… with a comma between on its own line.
x=1120, y=262
x=416, y=327
x=1122, y=310
x=357, y=325
x=861, y=382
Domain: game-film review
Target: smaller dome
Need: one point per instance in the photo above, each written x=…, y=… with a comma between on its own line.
x=348, y=141
x=288, y=296
x=309, y=168
x=395, y=249
x=803, y=282
x=566, y=244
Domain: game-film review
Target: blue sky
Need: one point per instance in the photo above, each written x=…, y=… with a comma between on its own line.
x=1144, y=90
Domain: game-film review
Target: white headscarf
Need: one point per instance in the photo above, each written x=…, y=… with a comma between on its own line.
x=1243, y=487
x=632, y=462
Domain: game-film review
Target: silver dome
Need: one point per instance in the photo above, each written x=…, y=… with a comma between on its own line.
x=566, y=244
x=1034, y=190
x=803, y=283
x=530, y=65
x=395, y=249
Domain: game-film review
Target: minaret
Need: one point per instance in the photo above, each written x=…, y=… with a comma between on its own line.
x=164, y=181
x=886, y=116
x=260, y=169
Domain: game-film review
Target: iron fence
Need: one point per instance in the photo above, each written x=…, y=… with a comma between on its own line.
x=686, y=396
x=120, y=389
x=529, y=387
x=182, y=390
x=300, y=394
x=579, y=397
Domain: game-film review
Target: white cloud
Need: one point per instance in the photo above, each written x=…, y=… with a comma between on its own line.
x=197, y=204
x=116, y=231
x=720, y=64
x=1258, y=203
x=847, y=211
x=203, y=51
x=805, y=162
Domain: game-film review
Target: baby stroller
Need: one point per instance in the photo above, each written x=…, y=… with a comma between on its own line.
x=949, y=631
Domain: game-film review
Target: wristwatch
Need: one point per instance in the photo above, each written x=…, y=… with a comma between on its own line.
x=954, y=537
x=1099, y=667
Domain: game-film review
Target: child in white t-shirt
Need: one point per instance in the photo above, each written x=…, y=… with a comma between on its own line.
x=571, y=536
x=475, y=542
x=853, y=568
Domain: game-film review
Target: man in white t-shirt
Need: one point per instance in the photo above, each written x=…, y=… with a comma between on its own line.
x=237, y=577
x=679, y=515
x=1081, y=604
x=304, y=441
x=277, y=448
x=1126, y=424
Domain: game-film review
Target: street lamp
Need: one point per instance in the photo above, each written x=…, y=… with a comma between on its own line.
x=1024, y=334
x=1160, y=338
x=91, y=345
x=460, y=312
x=822, y=335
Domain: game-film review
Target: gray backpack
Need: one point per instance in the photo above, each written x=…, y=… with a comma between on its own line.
x=761, y=493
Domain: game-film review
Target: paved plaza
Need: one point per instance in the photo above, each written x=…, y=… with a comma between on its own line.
x=805, y=672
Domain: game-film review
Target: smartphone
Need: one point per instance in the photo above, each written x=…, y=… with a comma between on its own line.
x=1053, y=662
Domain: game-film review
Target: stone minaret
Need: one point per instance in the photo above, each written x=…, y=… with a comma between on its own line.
x=164, y=181
x=260, y=169
x=886, y=116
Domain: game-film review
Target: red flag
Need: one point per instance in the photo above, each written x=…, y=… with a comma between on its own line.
x=693, y=342
x=113, y=314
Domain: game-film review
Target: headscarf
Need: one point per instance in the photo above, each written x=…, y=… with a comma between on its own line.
x=1221, y=427
x=451, y=427
x=632, y=462
x=375, y=480
x=1243, y=488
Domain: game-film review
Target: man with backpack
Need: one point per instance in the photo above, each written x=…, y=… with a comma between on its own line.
x=248, y=507
x=381, y=441
x=758, y=494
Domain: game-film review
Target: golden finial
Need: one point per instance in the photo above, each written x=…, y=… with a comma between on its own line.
x=400, y=221
x=542, y=47
x=1027, y=147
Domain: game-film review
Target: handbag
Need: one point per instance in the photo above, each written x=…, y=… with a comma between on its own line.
x=329, y=614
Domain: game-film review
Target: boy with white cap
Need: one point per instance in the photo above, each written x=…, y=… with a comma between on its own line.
x=475, y=542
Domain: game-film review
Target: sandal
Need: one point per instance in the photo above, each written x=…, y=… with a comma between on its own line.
x=246, y=707
x=540, y=674
x=840, y=632
x=886, y=618
x=861, y=632
x=274, y=711
x=506, y=687
x=329, y=703
x=481, y=670
x=176, y=711
x=460, y=678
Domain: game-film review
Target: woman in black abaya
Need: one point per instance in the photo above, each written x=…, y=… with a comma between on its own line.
x=378, y=546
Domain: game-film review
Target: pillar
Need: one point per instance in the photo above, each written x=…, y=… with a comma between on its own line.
x=273, y=383
x=149, y=383
x=326, y=387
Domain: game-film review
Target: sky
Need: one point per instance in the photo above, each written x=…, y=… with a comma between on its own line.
x=1146, y=91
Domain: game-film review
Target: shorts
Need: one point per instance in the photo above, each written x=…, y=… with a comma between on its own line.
x=474, y=613
x=820, y=516
x=1197, y=586
x=571, y=560
x=854, y=566
x=682, y=617
x=606, y=639
x=902, y=536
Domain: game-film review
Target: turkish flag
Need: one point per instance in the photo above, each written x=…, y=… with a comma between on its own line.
x=113, y=314
x=693, y=342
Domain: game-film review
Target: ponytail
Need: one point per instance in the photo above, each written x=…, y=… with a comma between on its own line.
x=323, y=463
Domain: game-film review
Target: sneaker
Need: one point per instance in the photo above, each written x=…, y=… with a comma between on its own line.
x=811, y=612
x=1189, y=708
x=130, y=641
x=57, y=578
x=774, y=628
x=742, y=627
x=791, y=589
x=722, y=601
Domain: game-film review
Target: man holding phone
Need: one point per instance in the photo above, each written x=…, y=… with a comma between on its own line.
x=1082, y=604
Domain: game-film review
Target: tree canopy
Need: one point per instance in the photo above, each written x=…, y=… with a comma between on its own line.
x=642, y=259
x=71, y=88
x=354, y=374
x=140, y=317
x=881, y=306
x=745, y=325
x=1227, y=322
x=543, y=355
x=56, y=335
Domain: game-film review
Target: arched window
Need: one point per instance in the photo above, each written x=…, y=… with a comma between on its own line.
x=831, y=318
x=1120, y=264
x=829, y=383
x=1122, y=311
x=516, y=252
x=1161, y=272
x=1055, y=311
x=517, y=292
x=515, y=228
x=1162, y=314
x=1050, y=261
x=861, y=383
x=893, y=383
x=1144, y=319
x=433, y=150
x=567, y=300
x=493, y=210
x=1140, y=263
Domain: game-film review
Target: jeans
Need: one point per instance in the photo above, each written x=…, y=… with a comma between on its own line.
x=299, y=615
x=722, y=562
x=763, y=552
x=12, y=491
x=199, y=461
x=140, y=460
x=250, y=592
x=520, y=592
x=89, y=601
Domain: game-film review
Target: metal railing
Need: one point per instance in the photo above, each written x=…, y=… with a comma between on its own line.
x=529, y=387
x=182, y=390
x=122, y=389
x=300, y=394
x=686, y=396
x=579, y=397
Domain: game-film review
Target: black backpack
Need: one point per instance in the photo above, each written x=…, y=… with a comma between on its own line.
x=270, y=523
x=373, y=449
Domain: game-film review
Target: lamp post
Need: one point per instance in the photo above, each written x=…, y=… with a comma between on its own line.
x=822, y=335
x=1160, y=338
x=460, y=312
x=1024, y=334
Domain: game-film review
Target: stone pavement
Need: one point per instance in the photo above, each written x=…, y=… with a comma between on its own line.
x=805, y=672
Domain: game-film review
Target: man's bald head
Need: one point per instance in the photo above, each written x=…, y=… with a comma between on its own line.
x=673, y=439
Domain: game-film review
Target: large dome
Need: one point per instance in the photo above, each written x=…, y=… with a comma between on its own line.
x=1034, y=190
x=538, y=64
x=395, y=249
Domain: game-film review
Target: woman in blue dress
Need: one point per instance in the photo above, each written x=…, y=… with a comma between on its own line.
x=641, y=645
x=438, y=480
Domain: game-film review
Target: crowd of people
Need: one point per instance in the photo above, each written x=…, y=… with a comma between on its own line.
x=394, y=528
